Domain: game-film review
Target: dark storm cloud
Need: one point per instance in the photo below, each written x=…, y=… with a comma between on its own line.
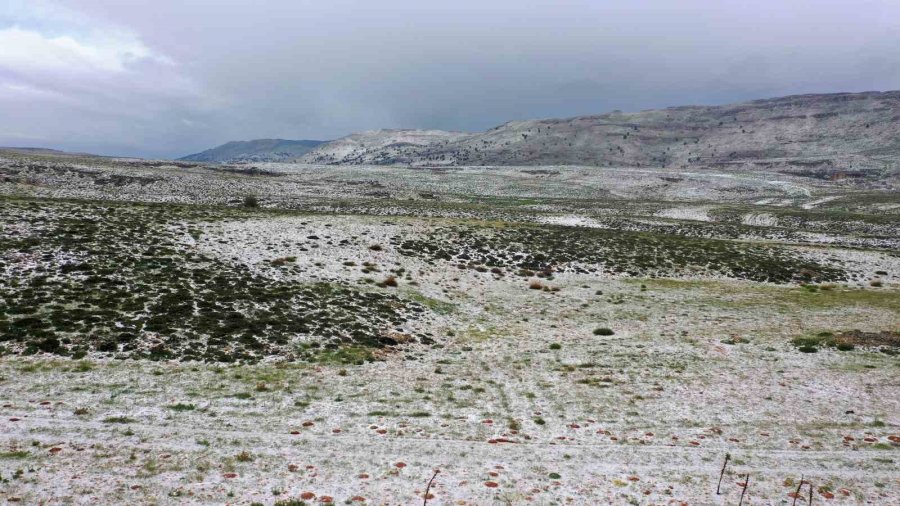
x=160, y=78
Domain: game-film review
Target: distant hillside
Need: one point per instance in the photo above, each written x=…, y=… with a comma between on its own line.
x=383, y=147
x=42, y=151
x=839, y=132
x=259, y=150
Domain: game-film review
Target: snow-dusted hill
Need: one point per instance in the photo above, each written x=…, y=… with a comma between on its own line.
x=835, y=134
x=259, y=150
x=383, y=146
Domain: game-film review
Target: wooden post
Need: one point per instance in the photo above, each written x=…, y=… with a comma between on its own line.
x=721, y=474
x=797, y=493
x=746, y=484
x=425, y=502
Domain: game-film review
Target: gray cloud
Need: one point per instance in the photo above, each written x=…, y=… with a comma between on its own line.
x=160, y=78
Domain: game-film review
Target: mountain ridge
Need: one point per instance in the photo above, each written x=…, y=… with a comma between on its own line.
x=256, y=150
x=844, y=131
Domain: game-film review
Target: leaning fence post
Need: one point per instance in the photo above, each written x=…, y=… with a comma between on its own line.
x=797, y=493
x=425, y=502
x=746, y=484
x=721, y=474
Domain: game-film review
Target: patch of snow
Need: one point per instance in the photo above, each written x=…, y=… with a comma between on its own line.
x=686, y=213
x=759, y=220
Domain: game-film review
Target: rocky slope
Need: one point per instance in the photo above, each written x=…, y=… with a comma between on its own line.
x=259, y=150
x=834, y=136
x=384, y=147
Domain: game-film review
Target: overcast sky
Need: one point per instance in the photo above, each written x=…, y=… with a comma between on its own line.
x=160, y=78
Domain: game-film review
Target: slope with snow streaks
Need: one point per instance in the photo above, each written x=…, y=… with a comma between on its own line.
x=833, y=136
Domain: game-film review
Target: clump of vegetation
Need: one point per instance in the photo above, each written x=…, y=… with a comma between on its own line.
x=603, y=331
x=284, y=261
x=15, y=454
x=811, y=344
x=555, y=346
x=182, y=407
x=244, y=456
x=143, y=283
x=543, y=250
x=886, y=341
x=390, y=281
x=251, y=201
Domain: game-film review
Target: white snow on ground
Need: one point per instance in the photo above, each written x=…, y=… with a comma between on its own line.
x=572, y=221
x=791, y=188
x=760, y=220
x=817, y=202
x=518, y=401
x=700, y=213
x=643, y=416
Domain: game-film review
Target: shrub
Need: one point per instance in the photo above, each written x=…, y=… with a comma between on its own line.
x=811, y=344
x=536, y=285
x=555, y=346
x=284, y=260
x=251, y=201
x=389, y=281
x=603, y=331
x=49, y=345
